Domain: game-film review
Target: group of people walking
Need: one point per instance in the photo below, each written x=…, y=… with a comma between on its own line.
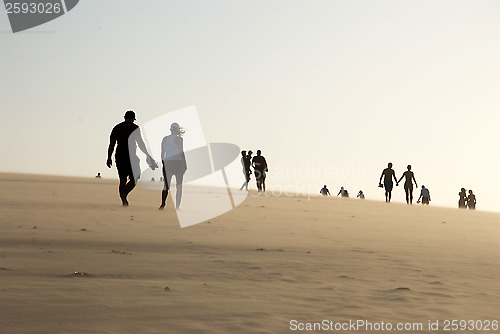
x=259, y=165
x=388, y=174
x=174, y=163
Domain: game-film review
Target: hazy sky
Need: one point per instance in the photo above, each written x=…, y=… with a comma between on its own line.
x=330, y=91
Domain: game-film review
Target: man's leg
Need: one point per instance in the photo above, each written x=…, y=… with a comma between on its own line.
x=122, y=190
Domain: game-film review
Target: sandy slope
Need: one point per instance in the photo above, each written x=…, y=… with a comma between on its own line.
x=251, y=270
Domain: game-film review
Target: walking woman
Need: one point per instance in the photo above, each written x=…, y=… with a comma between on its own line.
x=174, y=163
x=462, y=201
x=409, y=179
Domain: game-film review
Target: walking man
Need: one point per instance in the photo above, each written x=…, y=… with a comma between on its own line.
x=388, y=174
x=260, y=168
x=127, y=136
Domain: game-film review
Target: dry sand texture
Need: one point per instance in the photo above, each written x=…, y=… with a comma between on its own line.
x=251, y=270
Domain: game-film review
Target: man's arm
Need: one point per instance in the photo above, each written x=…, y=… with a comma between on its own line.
x=140, y=143
x=381, y=176
x=399, y=178
x=111, y=148
x=395, y=179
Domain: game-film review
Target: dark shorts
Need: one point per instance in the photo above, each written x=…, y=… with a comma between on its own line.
x=260, y=174
x=425, y=200
x=388, y=185
x=128, y=168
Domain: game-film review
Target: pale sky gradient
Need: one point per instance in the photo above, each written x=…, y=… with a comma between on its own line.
x=343, y=85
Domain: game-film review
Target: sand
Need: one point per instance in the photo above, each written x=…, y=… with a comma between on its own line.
x=272, y=260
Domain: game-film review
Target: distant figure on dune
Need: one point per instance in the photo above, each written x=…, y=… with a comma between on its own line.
x=174, y=163
x=259, y=165
x=471, y=200
x=324, y=191
x=343, y=192
x=361, y=195
x=152, y=179
x=409, y=178
x=98, y=176
x=462, y=200
x=388, y=174
x=126, y=164
x=246, y=162
x=424, y=195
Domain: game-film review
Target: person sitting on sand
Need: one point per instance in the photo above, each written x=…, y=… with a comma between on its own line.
x=471, y=200
x=361, y=195
x=174, y=163
x=409, y=178
x=324, y=191
x=343, y=192
x=424, y=195
x=462, y=201
x=98, y=176
x=388, y=174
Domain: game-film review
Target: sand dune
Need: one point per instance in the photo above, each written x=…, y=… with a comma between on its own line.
x=251, y=270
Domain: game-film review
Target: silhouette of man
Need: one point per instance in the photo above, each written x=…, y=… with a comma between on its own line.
x=259, y=165
x=174, y=163
x=462, y=200
x=424, y=195
x=409, y=178
x=361, y=195
x=324, y=191
x=123, y=135
x=388, y=174
x=471, y=200
x=98, y=176
x=246, y=162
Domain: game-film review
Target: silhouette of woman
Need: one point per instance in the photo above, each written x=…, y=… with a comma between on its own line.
x=462, y=199
x=471, y=200
x=409, y=178
x=174, y=163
